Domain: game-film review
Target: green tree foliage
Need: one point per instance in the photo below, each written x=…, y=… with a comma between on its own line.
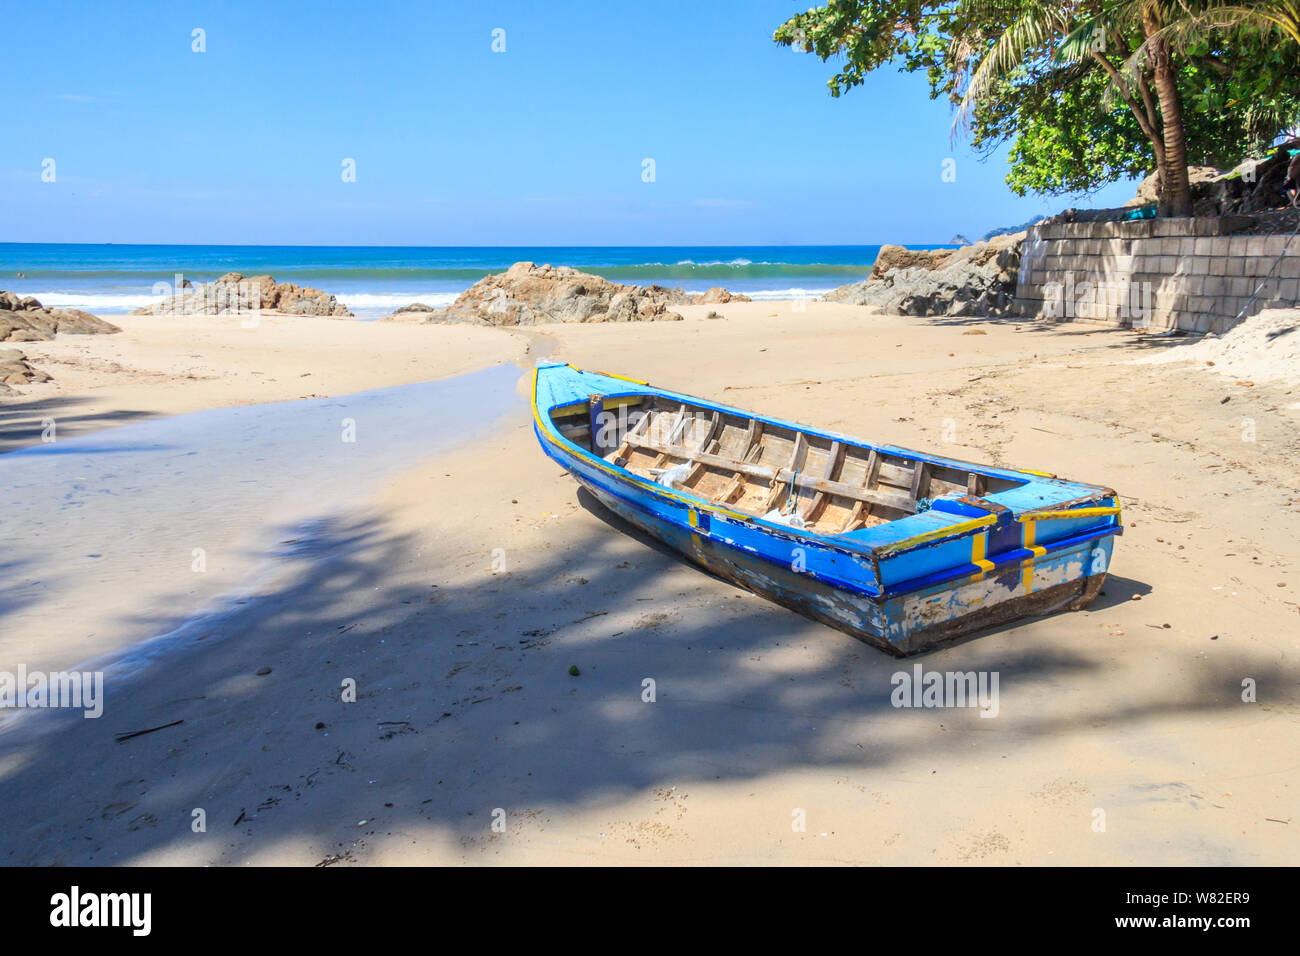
x=1073, y=79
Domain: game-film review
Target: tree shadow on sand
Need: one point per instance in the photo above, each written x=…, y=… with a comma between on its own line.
x=22, y=423
x=465, y=703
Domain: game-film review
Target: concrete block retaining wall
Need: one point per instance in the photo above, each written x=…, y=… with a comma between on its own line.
x=1193, y=274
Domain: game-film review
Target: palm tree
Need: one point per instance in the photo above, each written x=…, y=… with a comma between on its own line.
x=1186, y=23
x=1092, y=33
x=1145, y=79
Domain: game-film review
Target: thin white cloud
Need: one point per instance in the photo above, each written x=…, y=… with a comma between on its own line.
x=724, y=203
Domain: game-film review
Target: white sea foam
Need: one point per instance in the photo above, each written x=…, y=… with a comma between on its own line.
x=767, y=295
x=118, y=303
x=96, y=302
x=713, y=262
x=369, y=301
x=110, y=303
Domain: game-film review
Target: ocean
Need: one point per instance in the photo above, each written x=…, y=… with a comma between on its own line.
x=373, y=281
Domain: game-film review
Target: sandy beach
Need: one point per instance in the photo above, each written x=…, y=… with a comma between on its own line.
x=461, y=592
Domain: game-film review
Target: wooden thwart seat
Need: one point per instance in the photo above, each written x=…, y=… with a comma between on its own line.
x=783, y=479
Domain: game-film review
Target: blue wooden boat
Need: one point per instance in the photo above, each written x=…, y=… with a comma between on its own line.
x=902, y=549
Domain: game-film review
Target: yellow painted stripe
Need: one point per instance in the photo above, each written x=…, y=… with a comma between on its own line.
x=1028, y=563
x=1076, y=513
x=957, y=529
x=570, y=411
x=1040, y=474
x=700, y=554
x=978, y=548
x=634, y=381
x=581, y=408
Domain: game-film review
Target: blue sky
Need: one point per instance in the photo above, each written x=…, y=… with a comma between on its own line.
x=454, y=144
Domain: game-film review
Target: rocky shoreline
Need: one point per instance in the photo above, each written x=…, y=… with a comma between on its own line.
x=529, y=294
x=235, y=294
x=26, y=320
x=977, y=279
x=16, y=370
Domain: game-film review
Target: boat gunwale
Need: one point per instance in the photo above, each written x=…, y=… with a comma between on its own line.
x=836, y=543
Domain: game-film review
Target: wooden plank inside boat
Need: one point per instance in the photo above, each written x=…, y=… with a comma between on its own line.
x=755, y=467
x=739, y=463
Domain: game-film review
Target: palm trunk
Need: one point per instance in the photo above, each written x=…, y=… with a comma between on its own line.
x=1175, y=189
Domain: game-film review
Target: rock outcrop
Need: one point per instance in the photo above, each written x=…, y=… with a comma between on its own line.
x=979, y=279
x=235, y=294
x=416, y=311
x=1149, y=188
x=900, y=257
x=16, y=370
x=529, y=294
x=1252, y=186
x=719, y=296
x=26, y=320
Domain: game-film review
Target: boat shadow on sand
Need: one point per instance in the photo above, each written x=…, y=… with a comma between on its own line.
x=465, y=703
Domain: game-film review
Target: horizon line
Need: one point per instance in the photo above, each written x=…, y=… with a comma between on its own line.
x=681, y=245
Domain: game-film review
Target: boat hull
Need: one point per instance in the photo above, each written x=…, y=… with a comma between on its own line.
x=962, y=565
x=902, y=624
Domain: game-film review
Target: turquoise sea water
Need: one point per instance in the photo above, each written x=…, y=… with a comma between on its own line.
x=374, y=280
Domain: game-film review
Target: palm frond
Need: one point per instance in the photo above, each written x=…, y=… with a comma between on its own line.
x=1181, y=33
x=1035, y=28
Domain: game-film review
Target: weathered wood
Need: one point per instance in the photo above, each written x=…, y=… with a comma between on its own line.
x=900, y=475
x=642, y=427
x=862, y=509
x=752, y=446
x=833, y=462
x=693, y=475
x=920, y=481
x=752, y=435
x=783, y=477
x=679, y=423
x=798, y=456
x=872, y=496
x=680, y=420
x=729, y=492
x=703, y=443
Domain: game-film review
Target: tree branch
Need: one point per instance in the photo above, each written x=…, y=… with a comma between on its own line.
x=1149, y=102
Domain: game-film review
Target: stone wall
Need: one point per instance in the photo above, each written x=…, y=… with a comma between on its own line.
x=1193, y=274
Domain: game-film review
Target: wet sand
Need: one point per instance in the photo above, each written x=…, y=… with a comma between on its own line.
x=459, y=598
x=167, y=365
